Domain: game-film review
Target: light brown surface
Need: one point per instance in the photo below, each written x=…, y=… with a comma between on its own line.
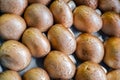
x=10, y=75
x=36, y=74
x=110, y=5
x=14, y=55
x=114, y=75
x=13, y=6
x=37, y=43
x=86, y=19
x=39, y=16
x=59, y=65
x=61, y=39
x=90, y=71
x=111, y=24
x=61, y=13
x=89, y=48
x=11, y=26
x=112, y=52
x=91, y=3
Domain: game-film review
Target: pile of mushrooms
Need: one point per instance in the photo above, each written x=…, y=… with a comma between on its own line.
x=59, y=39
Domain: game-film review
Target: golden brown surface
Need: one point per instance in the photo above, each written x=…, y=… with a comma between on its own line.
x=37, y=43
x=61, y=39
x=110, y=5
x=10, y=75
x=61, y=13
x=112, y=52
x=114, y=75
x=39, y=16
x=89, y=48
x=86, y=19
x=11, y=26
x=90, y=71
x=91, y=3
x=36, y=74
x=14, y=55
x=13, y=6
x=59, y=65
x=111, y=24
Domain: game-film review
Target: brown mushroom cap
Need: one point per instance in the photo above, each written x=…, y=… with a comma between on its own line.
x=59, y=65
x=109, y=5
x=10, y=75
x=14, y=55
x=111, y=24
x=90, y=71
x=114, y=75
x=36, y=74
x=112, y=52
x=86, y=19
x=89, y=48
x=39, y=16
x=11, y=26
x=37, y=43
x=91, y=3
x=13, y=6
x=61, y=13
x=61, y=39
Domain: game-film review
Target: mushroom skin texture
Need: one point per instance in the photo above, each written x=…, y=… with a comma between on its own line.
x=89, y=48
x=112, y=52
x=114, y=75
x=111, y=24
x=91, y=3
x=39, y=16
x=36, y=74
x=13, y=6
x=86, y=19
x=90, y=71
x=14, y=55
x=62, y=13
x=37, y=43
x=10, y=75
x=109, y=5
x=61, y=39
x=44, y=2
x=11, y=26
x=59, y=65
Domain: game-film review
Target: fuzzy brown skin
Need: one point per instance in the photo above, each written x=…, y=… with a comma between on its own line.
x=86, y=19
x=61, y=39
x=13, y=6
x=89, y=48
x=91, y=3
x=10, y=75
x=39, y=16
x=14, y=55
x=37, y=43
x=36, y=74
x=109, y=5
x=114, y=75
x=59, y=65
x=61, y=13
x=11, y=26
x=111, y=24
x=90, y=71
x=44, y=2
x=112, y=52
